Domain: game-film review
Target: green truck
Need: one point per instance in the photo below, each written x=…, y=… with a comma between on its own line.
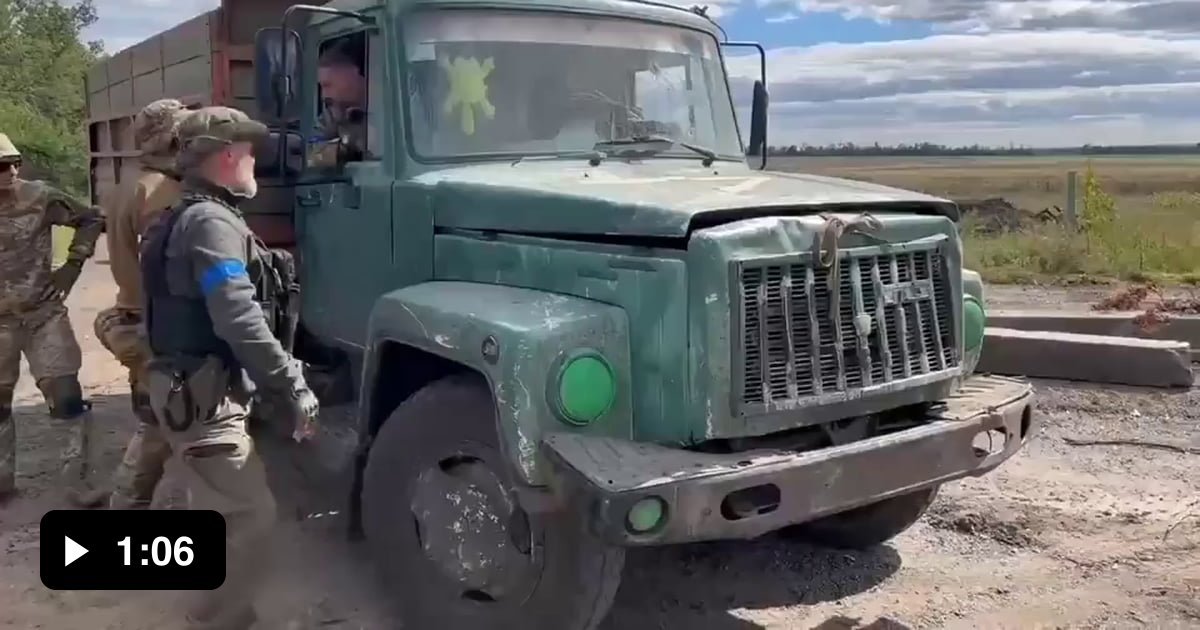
x=574, y=316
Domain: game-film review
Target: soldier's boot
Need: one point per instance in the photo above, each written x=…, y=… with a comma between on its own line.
x=140, y=470
x=65, y=398
x=8, y=455
x=79, y=474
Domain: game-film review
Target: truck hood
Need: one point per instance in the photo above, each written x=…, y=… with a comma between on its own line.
x=657, y=198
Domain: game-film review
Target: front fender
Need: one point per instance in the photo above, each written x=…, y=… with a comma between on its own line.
x=973, y=286
x=532, y=332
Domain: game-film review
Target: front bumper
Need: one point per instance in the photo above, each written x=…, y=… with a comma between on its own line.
x=744, y=495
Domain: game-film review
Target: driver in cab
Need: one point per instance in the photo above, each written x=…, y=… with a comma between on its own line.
x=343, y=122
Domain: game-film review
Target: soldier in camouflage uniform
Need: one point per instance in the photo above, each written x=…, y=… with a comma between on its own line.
x=33, y=318
x=137, y=204
x=206, y=277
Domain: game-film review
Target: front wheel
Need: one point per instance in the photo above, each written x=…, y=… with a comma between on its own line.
x=866, y=526
x=442, y=520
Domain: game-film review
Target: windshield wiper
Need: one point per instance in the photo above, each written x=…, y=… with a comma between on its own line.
x=663, y=143
x=594, y=157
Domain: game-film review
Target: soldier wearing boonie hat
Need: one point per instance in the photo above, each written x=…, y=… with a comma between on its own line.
x=213, y=349
x=33, y=317
x=136, y=204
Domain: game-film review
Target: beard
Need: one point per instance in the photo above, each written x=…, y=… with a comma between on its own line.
x=8, y=182
x=246, y=189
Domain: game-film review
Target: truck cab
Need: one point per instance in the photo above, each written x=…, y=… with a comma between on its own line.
x=578, y=320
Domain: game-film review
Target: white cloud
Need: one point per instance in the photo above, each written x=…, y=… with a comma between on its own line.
x=989, y=15
x=1040, y=72
x=123, y=23
x=1039, y=87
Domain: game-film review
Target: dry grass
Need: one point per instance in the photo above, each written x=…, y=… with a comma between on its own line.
x=1154, y=233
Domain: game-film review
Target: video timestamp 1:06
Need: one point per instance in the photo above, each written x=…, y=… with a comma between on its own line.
x=132, y=549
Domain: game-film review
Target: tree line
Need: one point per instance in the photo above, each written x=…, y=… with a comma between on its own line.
x=43, y=62
x=933, y=149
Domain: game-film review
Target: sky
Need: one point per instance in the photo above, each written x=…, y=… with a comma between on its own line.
x=957, y=72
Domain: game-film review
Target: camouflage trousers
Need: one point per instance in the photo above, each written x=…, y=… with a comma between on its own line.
x=141, y=469
x=44, y=335
x=205, y=425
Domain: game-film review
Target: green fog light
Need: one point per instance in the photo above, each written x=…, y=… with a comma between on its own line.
x=645, y=515
x=973, y=323
x=586, y=389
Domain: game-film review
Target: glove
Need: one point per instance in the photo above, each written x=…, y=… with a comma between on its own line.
x=62, y=280
x=303, y=408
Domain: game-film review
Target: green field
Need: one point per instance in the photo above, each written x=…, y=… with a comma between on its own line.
x=1155, y=232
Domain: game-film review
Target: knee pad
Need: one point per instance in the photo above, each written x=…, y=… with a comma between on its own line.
x=64, y=396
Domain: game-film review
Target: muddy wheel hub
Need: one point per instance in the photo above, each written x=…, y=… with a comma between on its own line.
x=469, y=526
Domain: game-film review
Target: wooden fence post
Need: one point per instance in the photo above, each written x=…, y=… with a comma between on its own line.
x=1069, y=213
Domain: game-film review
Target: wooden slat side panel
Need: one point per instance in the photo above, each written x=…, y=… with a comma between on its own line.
x=245, y=18
x=104, y=180
x=188, y=40
x=97, y=77
x=121, y=130
x=120, y=98
x=98, y=107
x=188, y=78
x=147, y=56
x=99, y=137
x=120, y=67
x=148, y=88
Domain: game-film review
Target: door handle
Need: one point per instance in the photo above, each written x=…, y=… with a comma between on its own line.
x=309, y=198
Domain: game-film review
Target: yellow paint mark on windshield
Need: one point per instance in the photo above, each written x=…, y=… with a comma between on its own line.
x=468, y=89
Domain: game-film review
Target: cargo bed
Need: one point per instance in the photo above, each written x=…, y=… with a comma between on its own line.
x=206, y=60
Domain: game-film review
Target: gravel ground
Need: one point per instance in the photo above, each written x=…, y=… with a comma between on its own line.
x=1061, y=536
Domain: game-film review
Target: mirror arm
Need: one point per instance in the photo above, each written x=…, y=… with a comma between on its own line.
x=762, y=71
x=284, y=61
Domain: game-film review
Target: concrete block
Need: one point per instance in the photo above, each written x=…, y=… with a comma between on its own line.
x=1109, y=323
x=1092, y=358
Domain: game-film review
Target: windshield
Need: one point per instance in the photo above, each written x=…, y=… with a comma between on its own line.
x=523, y=83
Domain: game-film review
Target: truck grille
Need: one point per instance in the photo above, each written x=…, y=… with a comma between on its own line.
x=794, y=351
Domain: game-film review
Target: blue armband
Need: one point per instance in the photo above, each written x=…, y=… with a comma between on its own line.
x=219, y=273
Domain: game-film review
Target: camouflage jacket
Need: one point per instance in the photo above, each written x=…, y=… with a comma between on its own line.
x=136, y=205
x=27, y=212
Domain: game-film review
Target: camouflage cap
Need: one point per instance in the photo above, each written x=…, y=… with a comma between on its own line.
x=7, y=148
x=155, y=126
x=210, y=128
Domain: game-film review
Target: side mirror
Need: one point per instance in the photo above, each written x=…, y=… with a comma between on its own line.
x=267, y=155
x=758, y=110
x=758, y=123
x=276, y=58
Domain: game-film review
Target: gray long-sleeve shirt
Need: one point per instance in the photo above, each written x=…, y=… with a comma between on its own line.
x=213, y=254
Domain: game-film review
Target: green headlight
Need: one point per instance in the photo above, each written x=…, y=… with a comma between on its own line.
x=586, y=388
x=974, y=322
x=645, y=515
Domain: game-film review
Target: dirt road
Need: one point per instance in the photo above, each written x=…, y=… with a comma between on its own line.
x=1061, y=537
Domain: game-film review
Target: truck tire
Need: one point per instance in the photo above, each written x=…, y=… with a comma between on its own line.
x=441, y=519
x=867, y=526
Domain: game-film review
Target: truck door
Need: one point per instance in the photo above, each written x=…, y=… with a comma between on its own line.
x=345, y=227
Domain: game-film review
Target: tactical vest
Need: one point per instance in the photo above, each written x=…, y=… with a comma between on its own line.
x=176, y=325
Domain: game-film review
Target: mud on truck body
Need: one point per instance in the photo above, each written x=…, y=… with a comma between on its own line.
x=575, y=319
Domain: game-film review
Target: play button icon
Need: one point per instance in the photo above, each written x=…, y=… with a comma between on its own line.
x=72, y=550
